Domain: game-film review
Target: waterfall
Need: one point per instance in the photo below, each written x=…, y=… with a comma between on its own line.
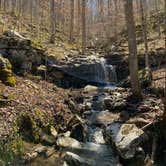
x=107, y=73
x=92, y=69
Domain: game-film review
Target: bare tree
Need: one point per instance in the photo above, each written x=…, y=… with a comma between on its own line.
x=158, y=21
x=133, y=61
x=53, y=21
x=143, y=5
x=165, y=64
x=83, y=26
x=71, y=39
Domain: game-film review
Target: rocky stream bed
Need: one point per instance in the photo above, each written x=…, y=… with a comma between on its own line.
x=111, y=130
x=82, y=125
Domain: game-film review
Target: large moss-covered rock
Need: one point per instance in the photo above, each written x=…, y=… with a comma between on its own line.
x=6, y=74
x=25, y=55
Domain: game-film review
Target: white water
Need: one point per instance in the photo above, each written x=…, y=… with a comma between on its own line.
x=109, y=73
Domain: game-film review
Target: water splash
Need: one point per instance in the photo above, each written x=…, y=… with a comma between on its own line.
x=108, y=73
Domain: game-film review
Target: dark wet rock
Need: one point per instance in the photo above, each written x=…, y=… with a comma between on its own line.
x=121, y=62
x=85, y=70
x=97, y=105
x=77, y=132
x=115, y=102
x=138, y=160
x=126, y=138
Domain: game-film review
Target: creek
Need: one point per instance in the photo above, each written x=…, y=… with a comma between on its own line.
x=99, y=122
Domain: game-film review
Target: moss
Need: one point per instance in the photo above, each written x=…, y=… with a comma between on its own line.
x=145, y=78
x=28, y=128
x=10, y=81
x=11, y=149
x=32, y=125
x=6, y=74
x=39, y=114
x=36, y=45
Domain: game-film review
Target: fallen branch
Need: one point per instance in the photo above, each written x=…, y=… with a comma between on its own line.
x=159, y=78
x=147, y=126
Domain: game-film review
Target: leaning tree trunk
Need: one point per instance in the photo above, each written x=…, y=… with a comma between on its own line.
x=133, y=61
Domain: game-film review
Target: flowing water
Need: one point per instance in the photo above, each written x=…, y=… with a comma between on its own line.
x=94, y=149
x=109, y=72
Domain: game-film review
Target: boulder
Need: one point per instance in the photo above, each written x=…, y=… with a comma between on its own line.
x=126, y=138
x=24, y=54
x=67, y=142
x=115, y=102
x=90, y=88
x=6, y=74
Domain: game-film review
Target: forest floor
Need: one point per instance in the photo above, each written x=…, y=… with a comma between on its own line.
x=158, y=77
x=37, y=98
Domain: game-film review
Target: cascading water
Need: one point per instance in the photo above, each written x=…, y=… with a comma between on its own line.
x=91, y=69
x=108, y=73
x=105, y=71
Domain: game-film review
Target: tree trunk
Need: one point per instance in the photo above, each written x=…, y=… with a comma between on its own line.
x=164, y=116
x=53, y=21
x=143, y=5
x=83, y=26
x=78, y=19
x=115, y=19
x=71, y=21
x=165, y=61
x=158, y=21
x=133, y=61
x=13, y=6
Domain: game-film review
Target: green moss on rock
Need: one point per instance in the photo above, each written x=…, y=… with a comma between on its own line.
x=28, y=127
x=6, y=74
x=10, y=81
x=145, y=77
